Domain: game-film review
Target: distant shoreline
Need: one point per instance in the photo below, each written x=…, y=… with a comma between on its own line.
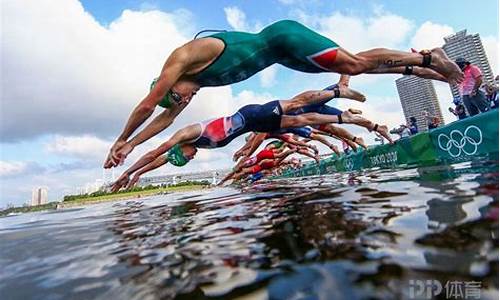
x=83, y=201
x=129, y=195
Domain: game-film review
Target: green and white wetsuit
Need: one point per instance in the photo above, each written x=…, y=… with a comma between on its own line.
x=286, y=42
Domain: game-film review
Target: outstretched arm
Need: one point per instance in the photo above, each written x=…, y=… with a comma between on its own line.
x=241, y=152
x=175, y=66
x=257, y=140
x=158, y=162
x=159, y=123
x=290, y=140
x=181, y=136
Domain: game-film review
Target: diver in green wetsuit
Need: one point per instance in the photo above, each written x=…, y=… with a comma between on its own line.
x=230, y=57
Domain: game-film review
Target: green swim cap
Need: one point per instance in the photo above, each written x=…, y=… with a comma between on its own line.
x=165, y=102
x=277, y=144
x=176, y=157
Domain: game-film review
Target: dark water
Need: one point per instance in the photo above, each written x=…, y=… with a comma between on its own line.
x=366, y=235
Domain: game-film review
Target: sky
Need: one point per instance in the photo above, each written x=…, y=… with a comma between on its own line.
x=72, y=71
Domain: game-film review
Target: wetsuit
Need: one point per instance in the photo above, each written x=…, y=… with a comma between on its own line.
x=264, y=154
x=285, y=42
x=254, y=117
x=263, y=166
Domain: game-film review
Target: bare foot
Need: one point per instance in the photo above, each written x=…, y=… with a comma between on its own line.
x=344, y=81
x=351, y=94
x=335, y=149
x=384, y=131
x=428, y=74
x=352, y=145
x=360, y=141
x=443, y=65
x=355, y=111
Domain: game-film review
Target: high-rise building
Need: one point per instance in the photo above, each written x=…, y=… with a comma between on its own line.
x=470, y=47
x=39, y=196
x=416, y=95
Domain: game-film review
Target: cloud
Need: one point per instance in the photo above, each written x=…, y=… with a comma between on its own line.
x=268, y=76
x=385, y=29
x=10, y=169
x=74, y=75
x=236, y=18
x=85, y=146
x=430, y=35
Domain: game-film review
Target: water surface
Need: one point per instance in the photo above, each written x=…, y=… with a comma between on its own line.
x=361, y=235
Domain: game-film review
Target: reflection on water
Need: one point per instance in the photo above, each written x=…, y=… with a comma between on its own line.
x=342, y=236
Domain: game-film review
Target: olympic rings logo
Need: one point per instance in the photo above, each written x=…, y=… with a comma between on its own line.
x=348, y=164
x=456, y=143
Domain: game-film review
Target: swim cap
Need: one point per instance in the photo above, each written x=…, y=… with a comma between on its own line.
x=176, y=157
x=277, y=144
x=165, y=102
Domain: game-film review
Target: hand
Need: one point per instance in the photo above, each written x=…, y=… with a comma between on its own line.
x=451, y=110
x=123, y=152
x=112, y=160
x=237, y=155
x=133, y=181
x=120, y=182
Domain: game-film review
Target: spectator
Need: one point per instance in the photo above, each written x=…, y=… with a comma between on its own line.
x=492, y=95
x=459, y=110
x=428, y=118
x=413, y=125
x=434, y=123
x=473, y=99
x=403, y=131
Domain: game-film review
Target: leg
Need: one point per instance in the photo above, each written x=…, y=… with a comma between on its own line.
x=345, y=135
x=467, y=100
x=304, y=152
x=312, y=98
x=319, y=138
x=382, y=60
x=481, y=102
x=411, y=70
x=307, y=119
x=349, y=117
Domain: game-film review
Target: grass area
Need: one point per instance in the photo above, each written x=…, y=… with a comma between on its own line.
x=132, y=194
x=25, y=209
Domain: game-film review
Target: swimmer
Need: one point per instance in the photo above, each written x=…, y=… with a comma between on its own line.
x=229, y=57
x=270, y=151
x=216, y=133
x=266, y=164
